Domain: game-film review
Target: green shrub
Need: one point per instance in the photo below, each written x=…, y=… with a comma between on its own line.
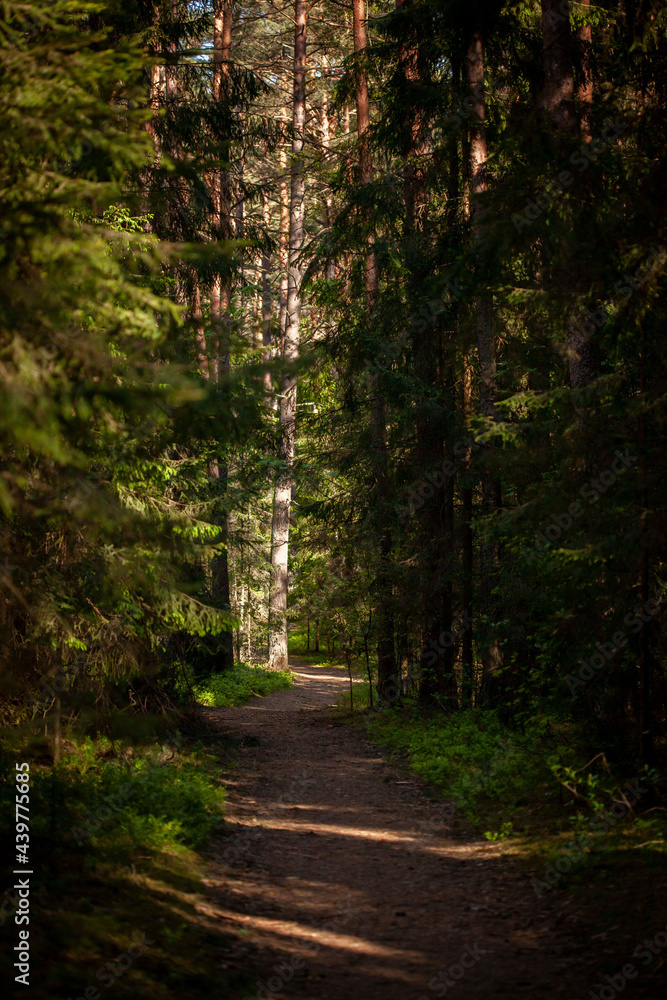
x=234, y=687
x=90, y=801
x=469, y=757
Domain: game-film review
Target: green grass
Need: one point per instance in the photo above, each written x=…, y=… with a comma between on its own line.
x=470, y=758
x=360, y=694
x=115, y=838
x=505, y=780
x=116, y=834
x=239, y=685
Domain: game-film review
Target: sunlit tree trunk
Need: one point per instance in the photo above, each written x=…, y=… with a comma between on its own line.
x=388, y=681
x=325, y=126
x=267, y=338
x=222, y=42
x=586, y=71
x=283, y=488
x=283, y=194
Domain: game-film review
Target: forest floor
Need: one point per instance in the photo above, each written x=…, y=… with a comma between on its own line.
x=339, y=878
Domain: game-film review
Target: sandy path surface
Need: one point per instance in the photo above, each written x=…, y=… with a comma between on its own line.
x=339, y=879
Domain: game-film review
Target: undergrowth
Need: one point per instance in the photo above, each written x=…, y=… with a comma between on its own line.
x=116, y=831
x=535, y=786
x=236, y=686
x=471, y=759
x=115, y=835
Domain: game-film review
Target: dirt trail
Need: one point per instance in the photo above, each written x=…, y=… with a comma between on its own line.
x=347, y=883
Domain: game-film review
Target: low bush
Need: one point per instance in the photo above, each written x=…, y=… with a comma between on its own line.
x=472, y=758
x=234, y=687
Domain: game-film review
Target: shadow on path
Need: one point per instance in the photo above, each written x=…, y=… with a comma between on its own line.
x=340, y=880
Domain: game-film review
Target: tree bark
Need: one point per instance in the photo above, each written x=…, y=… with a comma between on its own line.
x=220, y=194
x=283, y=489
x=558, y=94
x=284, y=243
x=388, y=680
x=486, y=349
x=325, y=126
x=203, y=361
x=558, y=105
x=437, y=681
x=586, y=73
x=220, y=300
x=267, y=338
x=419, y=144
x=467, y=647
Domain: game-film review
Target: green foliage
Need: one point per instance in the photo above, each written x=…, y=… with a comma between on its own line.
x=109, y=799
x=501, y=835
x=114, y=830
x=105, y=423
x=236, y=686
x=471, y=757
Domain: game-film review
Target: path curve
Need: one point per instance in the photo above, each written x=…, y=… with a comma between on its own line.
x=340, y=880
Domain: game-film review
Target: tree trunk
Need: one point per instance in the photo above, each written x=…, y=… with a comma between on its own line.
x=558, y=104
x=388, y=680
x=467, y=647
x=437, y=683
x=486, y=348
x=283, y=489
x=284, y=245
x=558, y=96
x=203, y=362
x=267, y=338
x=220, y=298
x=222, y=42
x=414, y=174
x=586, y=73
x=325, y=126
x=57, y=739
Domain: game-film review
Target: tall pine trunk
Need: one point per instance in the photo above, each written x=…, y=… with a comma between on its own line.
x=557, y=104
x=585, y=90
x=267, y=308
x=220, y=300
x=283, y=489
x=492, y=658
x=388, y=681
x=437, y=681
x=467, y=640
x=283, y=194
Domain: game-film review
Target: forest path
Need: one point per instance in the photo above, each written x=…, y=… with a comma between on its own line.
x=339, y=879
